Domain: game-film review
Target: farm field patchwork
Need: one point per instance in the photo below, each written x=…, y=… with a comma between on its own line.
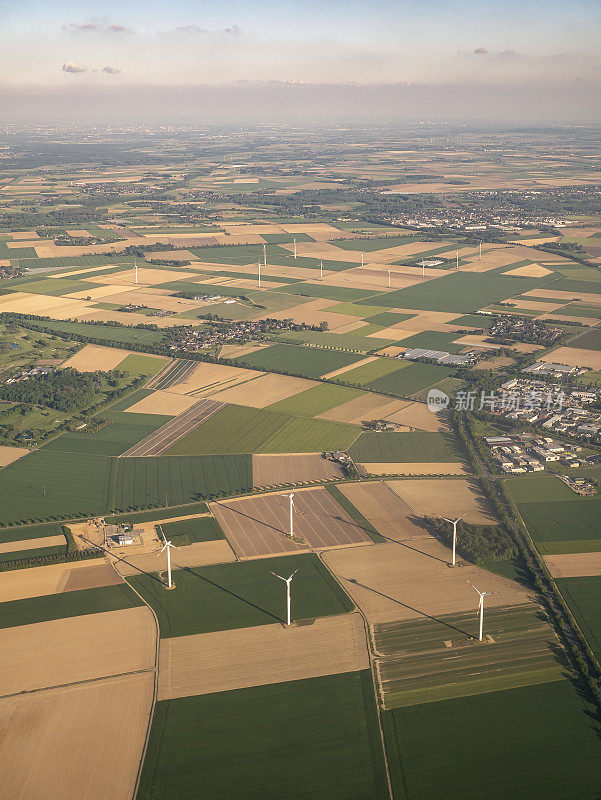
x=316, y=400
x=309, y=362
x=409, y=446
x=196, y=529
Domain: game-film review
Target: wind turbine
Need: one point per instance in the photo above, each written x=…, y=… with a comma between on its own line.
x=481, y=606
x=388, y=271
x=136, y=268
x=291, y=496
x=287, y=581
x=362, y=254
x=167, y=546
x=321, y=270
x=264, y=255
x=294, y=240
x=259, y=265
x=454, y=524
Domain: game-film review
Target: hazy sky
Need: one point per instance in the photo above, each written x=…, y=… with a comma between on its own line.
x=519, y=52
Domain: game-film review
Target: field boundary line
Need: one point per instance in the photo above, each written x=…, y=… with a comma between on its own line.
x=77, y=683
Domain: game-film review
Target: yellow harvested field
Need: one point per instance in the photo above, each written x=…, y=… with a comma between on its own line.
x=417, y=415
x=592, y=321
x=415, y=468
x=10, y=454
x=529, y=271
x=264, y=390
x=318, y=230
x=31, y=544
x=389, y=515
x=93, y=357
x=535, y=305
x=146, y=276
x=555, y=294
x=396, y=581
x=574, y=565
x=82, y=741
x=236, y=659
x=272, y=469
x=24, y=235
x=373, y=279
x=197, y=554
x=207, y=379
x=313, y=313
x=164, y=403
x=76, y=649
x=348, y=367
x=154, y=298
x=363, y=408
x=235, y=350
x=575, y=357
x=325, y=251
x=53, y=579
x=93, y=315
x=97, y=293
x=478, y=340
x=444, y=497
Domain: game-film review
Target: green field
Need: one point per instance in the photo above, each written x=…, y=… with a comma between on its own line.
x=591, y=340
x=308, y=362
x=353, y=341
x=582, y=595
x=316, y=400
x=67, y=604
x=136, y=365
x=371, y=245
x=537, y=742
x=415, y=446
x=342, y=293
x=24, y=532
x=108, y=334
x=315, y=738
x=388, y=318
x=367, y=373
x=159, y=513
x=174, y=481
x=240, y=595
x=581, y=310
x=459, y=291
x=434, y=340
x=411, y=379
x=239, y=429
x=475, y=321
x=187, y=531
x=56, y=286
x=50, y=484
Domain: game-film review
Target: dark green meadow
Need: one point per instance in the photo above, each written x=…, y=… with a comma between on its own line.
x=300, y=740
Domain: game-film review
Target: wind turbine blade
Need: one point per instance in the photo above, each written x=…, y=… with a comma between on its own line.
x=278, y=576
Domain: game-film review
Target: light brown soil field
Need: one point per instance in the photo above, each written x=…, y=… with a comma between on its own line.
x=10, y=454
x=172, y=255
x=146, y=276
x=97, y=293
x=354, y=365
x=574, y=565
x=90, y=578
x=236, y=659
x=93, y=315
x=419, y=322
x=366, y=407
x=351, y=326
x=38, y=303
x=20, y=235
x=257, y=229
x=575, y=357
x=417, y=415
x=325, y=251
x=164, y=403
x=93, y=357
x=592, y=321
x=154, y=298
x=258, y=526
x=235, y=350
x=264, y=391
x=444, y=497
x=311, y=313
x=536, y=242
x=529, y=271
x=536, y=305
x=171, y=432
x=552, y=294
x=273, y=469
x=55, y=578
x=76, y=649
x=81, y=742
x=197, y=554
x=389, y=515
x=393, y=350
x=415, y=468
x=318, y=230
x=478, y=340
x=31, y=544
x=373, y=279
x=211, y=378
x=409, y=581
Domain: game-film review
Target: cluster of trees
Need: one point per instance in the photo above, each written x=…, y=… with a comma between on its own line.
x=476, y=543
x=65, y=390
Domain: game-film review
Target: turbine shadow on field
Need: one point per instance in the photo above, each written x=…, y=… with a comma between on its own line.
x=415, y=549
x=405, y=605
x=253, y=519
x=232, y=594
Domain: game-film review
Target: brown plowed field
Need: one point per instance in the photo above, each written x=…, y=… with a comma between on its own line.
x=264, y=390
x=574, y=565
x=81, y=741
x=389, y=515
x=258, y=526
x=76, y=649
x=93, y=357
x=365, y=407
x=269, y=469
x=194, y=555
x=445, y=497
x=55, y=578
x=412, y=580
x=10, y=454
x=235, y=659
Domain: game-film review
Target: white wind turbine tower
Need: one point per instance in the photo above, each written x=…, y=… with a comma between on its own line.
x=287, y=581
x=259, y=265
x=264, y=255
x=481, y=607
x=423, y=270
x=136, y=269
x=362, y=254
x=388, y=271
x=291, y=496
x=454, y=524
x=167, y=546
x=294, y=240
x=321, y=270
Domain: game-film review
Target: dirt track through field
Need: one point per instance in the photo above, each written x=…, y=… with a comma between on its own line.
x=175, y=373
x=76, y=649
x=171, y=432
x=82, y=741
x=236, y=659
x=258, y=526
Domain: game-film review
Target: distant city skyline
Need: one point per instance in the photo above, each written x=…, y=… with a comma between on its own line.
x=493, y=58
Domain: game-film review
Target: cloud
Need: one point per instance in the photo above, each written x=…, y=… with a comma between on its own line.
x=69, y=66
x=117, y=29
x=234, y=30
x=96, y=27
x=110, y=70
x=190, y=29
x=82, y=27
x=481, y=51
